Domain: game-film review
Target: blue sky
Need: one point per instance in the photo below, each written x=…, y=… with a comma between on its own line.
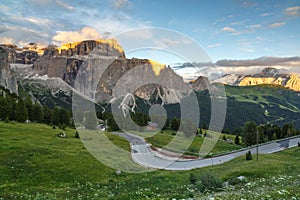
x=225, y=29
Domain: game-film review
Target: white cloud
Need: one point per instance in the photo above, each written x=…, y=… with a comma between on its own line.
x=4, y=8
x=64, y=5
x=214, y=45
x=86, y=33
x=62, y=15
x=293, y=11
x=231, y=30
x=38, y=21
x=120, y=3
x=169, y=42
x=7, y=40
x=21, y=37
x=238, y=23
x=255, y=26
x=276, y=25
x=223, y=19
x=228, y=29
x=265, y=14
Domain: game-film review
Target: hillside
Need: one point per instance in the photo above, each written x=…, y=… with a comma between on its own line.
x=36, y=164
x=262, y=104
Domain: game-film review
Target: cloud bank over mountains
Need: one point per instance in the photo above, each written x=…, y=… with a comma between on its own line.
x=213, y=71
x=263, y=61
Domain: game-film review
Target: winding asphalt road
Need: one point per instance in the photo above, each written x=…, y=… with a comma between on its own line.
x=143, y=155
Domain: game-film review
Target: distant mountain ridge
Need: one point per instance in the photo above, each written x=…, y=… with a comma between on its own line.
x=268, y=76
x=50, y=77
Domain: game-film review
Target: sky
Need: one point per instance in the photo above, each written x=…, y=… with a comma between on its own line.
x=224, y=29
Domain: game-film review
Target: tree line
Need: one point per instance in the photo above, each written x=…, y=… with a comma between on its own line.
x=252, y=133
x=13, y=108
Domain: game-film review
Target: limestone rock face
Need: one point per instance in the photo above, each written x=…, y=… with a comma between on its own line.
x=50, y=51
x=105, y=73
x=122, y=76
x=269, y=76
x=53, y=67
x=141, y=77
x=273, y=77
x=293, y=82
x=105, y=48
x=7, y=78
x=27, y=57
x=201, y=83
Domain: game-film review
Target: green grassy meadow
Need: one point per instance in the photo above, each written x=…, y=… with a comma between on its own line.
x=36, y=164
x=163, y=138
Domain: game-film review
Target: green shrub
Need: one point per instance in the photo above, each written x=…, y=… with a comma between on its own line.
x=208, y=181
x=237, y=140
x=193, y=178
x=224, y=137
x=248, y=155
x=298, y=144
x=62, y=126
x=76, y=134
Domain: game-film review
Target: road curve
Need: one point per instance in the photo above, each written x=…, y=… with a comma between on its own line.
x=143, y=155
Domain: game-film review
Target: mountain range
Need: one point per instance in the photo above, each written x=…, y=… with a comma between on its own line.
x=268, y=76
x=48, y=75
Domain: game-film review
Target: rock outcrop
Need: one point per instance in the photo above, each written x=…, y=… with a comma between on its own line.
x=65, y=63
x=105, y=48
x=7, y=78
x=105, y=73
x=268, y=76
x=201, y=83
x=27, y=57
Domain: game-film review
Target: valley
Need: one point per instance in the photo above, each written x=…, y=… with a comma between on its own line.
x=38, y=164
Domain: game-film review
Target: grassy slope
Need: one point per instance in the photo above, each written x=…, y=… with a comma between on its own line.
x=262, y=104
x=162, y=139
x=35, y=163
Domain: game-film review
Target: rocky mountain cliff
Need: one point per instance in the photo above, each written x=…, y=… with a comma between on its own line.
x=201, y=83
x=7, y=77
x=268, y=76
x=143, y=76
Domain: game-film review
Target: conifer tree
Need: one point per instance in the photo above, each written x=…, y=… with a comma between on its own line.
x=21, y=111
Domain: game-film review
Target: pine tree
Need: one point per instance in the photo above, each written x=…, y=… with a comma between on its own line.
x=166, y=125
x=29, y=106
x=248, y=155
x=21, y=111
x=65, y=117
x=237, y=140
x=37, y=114
x=4, y=108
x=12, y=104
x=249, y=133
x=47, y=115
x=55, y=116
x=175, y=123
x=113, y=126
